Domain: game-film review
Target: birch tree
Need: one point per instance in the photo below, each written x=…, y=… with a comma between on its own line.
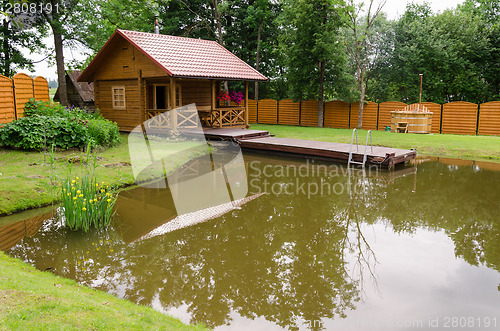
x=359, y=45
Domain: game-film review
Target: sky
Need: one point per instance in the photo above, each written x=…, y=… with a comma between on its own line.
x=393, y=9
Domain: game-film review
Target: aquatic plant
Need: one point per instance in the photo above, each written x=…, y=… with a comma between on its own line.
x=86, y=202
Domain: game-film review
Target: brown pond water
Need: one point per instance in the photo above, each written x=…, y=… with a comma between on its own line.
x=417, y=248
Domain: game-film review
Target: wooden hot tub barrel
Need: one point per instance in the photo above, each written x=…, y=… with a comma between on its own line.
x=418, y=122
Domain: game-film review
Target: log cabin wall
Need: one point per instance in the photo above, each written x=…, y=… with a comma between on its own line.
x=124, y=66
x=128, y=118
x=123, y=61
x=196, y=91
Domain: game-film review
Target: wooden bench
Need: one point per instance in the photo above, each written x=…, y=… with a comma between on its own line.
x=205, y=113
x=402, y=127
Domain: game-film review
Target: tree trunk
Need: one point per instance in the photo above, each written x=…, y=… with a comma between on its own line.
x=220, y=39
x=6, y=48
x=321, y=104
x=257, y=59
x=61, y=75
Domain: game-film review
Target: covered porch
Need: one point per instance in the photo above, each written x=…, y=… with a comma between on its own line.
x=160, y=95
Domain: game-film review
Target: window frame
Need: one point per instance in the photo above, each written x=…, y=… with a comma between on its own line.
x=114, y=96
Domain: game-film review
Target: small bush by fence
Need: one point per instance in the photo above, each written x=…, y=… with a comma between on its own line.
x=15, y=92
x=456, y=117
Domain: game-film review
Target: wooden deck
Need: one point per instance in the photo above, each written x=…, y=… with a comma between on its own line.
x=232, y=133
x=258, y=140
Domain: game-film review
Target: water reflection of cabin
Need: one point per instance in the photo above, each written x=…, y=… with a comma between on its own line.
x=139, y=75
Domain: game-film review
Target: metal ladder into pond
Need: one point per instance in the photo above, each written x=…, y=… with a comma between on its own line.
x=365, y=155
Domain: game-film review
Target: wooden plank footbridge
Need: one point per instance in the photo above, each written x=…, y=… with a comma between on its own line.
x=352, y=154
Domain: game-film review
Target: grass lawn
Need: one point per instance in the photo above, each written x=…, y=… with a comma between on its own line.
x=25, y=177
x=445, y=145
x=35, y=300
x=31, y=299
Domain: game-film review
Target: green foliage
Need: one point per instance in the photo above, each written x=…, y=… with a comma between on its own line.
x=310, y=36
x=458, y=51
x=92, y=22
x=37, y=132
x=86, y=203
x=48, y=123
x=16, y=36
x=49, y=108
x=104, y=133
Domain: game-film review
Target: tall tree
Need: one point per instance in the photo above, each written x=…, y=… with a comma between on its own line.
x=56, y=18
x=254, y=18
x=187, y=18
x=311, y=45
x=455, y=50
x=16, y=36
x=252, y=35
x=489, y=13
x=360, y=43
x=94, y=21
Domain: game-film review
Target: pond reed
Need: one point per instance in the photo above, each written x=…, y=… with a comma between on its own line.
x=86, y=202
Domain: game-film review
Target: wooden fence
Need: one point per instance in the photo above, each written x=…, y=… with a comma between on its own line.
x=15, y=92
x=453, y=118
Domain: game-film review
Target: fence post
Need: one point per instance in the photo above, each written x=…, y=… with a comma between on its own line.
x=324, y=113
x=257, y=112
x=349, y=115
x=441, y=121
x=14, y=96
x=477, y=121
x=378, y=115
x=277, y=111
x=300, y=112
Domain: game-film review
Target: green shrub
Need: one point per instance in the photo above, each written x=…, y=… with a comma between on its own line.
x=103, y=132
x=49, y=108
x=37, y=132
x=48, y=123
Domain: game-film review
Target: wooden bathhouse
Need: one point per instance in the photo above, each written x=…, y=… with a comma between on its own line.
x=80, y=94
x=138, y=75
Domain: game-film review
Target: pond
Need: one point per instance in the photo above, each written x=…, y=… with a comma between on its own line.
x=313, y=246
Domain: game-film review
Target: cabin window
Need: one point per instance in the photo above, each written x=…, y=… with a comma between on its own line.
x=118, y=93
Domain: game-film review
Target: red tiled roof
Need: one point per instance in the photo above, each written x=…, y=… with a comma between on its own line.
x=188, y=57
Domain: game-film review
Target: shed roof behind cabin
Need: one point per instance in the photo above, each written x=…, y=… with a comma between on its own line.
x=185, y=57
x=85, y=90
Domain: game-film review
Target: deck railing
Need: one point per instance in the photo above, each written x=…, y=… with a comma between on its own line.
x=218, y=117
x=227, y=116
x=173, y=120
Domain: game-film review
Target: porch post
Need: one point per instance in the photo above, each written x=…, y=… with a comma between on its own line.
x=246, y=105
x=214, y=95
x=142, y=109
x=214, y=103
x=173, y=97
